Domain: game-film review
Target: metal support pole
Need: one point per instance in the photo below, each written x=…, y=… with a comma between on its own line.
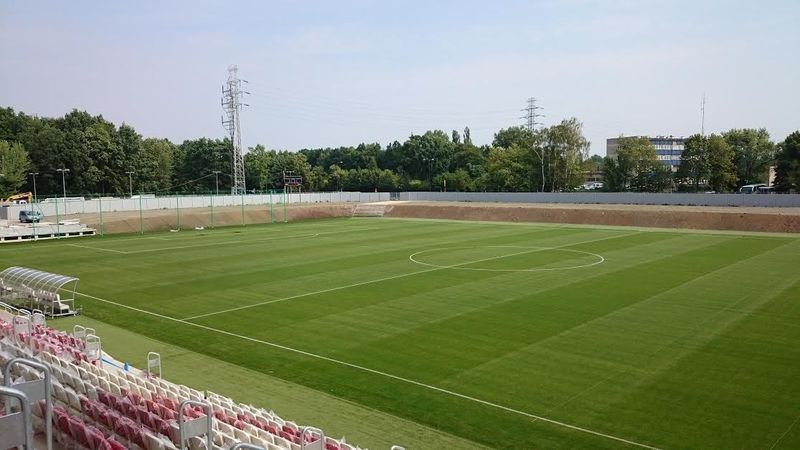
x=33, y=226
x=141, y=217
x=58, y=222
x=285, y=200
x=242, y=208
x=178, y=211
x=271, y=217
x=211, y=195
x=100, y=207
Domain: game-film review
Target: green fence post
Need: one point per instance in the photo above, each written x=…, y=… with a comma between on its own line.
x=285, y=200
x=100, y=209
x=178, y=211
x=271, y=217
x=211, y=195
x=242, y=208
x=58, y=222
x=141, y=216
x=33, y=222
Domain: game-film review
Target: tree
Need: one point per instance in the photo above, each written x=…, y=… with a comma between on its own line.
x=154, y=167
x=564, y=148
x=753, y=153
x=788, y=164
x=507, y=169
x=694, y=166
x=637, y=167
x=14, y=165
x=721, y=172
x=195, y=162
x=613, y=179
x=530, y=143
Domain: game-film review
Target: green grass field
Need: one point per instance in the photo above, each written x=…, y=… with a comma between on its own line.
x=506, y=335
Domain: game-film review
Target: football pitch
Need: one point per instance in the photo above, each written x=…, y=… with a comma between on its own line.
x=508, y=335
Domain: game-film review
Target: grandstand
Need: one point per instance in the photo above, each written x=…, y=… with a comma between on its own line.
x=71, y=395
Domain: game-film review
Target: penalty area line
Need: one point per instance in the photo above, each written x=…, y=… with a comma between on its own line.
x=381, y=373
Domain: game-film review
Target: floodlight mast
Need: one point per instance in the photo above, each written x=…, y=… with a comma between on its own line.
x=232, y=94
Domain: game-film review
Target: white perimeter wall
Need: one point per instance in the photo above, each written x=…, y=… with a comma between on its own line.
x=205, y=201
x=633, y=198
x=94, y=206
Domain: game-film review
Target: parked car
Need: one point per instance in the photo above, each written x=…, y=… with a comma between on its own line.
x=751, y=188
x=592, y=186
x=30, y=216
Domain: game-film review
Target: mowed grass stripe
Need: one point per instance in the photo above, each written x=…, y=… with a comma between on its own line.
x=368, y=312
x=223, y=277
x=637, y=359
x=498, y=329
x=332, y=275
x=405, y=270
x=401, y=307
x=735, y=379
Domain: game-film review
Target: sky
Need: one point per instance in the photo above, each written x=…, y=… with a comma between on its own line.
x=328, y=74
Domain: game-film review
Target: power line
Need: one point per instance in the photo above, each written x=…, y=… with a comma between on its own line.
x=232, y=94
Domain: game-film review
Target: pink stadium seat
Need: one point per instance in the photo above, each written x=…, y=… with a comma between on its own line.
x=95, y=438
x=114, y=445
x=78, y=431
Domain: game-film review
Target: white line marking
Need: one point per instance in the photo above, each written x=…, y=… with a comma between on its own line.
x=600, y=259
x=775, y=444
x=97, y=248
x=384, y=374
x=393, y=277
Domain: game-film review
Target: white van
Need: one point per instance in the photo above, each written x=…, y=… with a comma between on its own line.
x=751, y=188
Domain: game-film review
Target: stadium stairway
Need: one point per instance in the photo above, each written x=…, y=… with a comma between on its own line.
x=97, y=406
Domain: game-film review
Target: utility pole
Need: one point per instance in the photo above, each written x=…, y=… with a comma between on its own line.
x=63, y=180
x=703, y=115
x=130, y=181
x=216, y=179
x=33, y=174
x=530, y=117
x=231, y=101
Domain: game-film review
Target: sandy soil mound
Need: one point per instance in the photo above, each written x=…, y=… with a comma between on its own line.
x=782, y=220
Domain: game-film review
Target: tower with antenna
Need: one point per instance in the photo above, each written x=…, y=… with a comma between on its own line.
x=703, y=115
x=232, y=94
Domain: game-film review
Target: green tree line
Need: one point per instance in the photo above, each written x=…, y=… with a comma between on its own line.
x=99, y=155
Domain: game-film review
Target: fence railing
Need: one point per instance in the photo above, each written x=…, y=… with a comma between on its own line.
x=142, y=213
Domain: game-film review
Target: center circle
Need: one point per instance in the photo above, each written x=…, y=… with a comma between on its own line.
x=477, y=257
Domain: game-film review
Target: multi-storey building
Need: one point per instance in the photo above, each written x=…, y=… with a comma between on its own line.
x=668, y=149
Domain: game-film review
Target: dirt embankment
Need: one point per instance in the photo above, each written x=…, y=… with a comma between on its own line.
x=163, y=220
x=780, y=220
